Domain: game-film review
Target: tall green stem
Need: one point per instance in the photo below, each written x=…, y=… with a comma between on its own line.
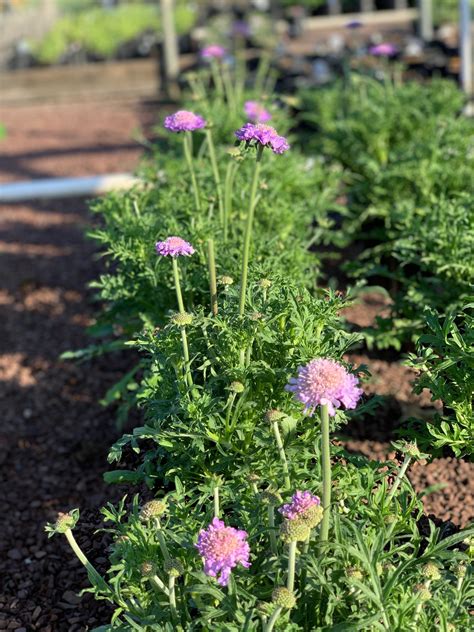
x=273, y=619
x=281, y=452
x=400, y=475
x=172, y=598
x=177, y=286
x=211, y=262
x=216, y=502
x=290, y=582
x=248, y=231
x=95, y=577
x=162, y=542
x=216, y=174
x=188, y=154
x=228, y=191
x=326, y=469
x=184, y=338
x=271, y=527
x=217, y=78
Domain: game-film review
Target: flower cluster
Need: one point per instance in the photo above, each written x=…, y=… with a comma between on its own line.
x=256, y=113
x=174, y=247
x=304, y=508
x=222, y=548
x=264, y=135
x=213, y=51
x=325, y=382
x=184, y=121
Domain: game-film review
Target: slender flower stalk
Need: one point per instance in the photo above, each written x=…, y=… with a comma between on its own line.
x=290, y=582
x=271, y=527
x=188, y=154
x=272, y=417
x=326, y=471
x=172, y=597
x=211, y=261
x=158, y=584
x=248, y=230
x=216, y=501
x=94, y=575
x=228, y=191
x=399, y=478
x=285, y=597
x=215, y=172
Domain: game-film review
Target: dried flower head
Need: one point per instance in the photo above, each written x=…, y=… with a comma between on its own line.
x=460, y=570
x=213, y=51
x=256, y=113
x=184, y=121
x=174, y=567
x=412, y=450
x=147, y=569
x=294, y=531
x=152, y=509
x=64, y=522
x=174, y=247
x=431, y=571
x=264, y=135
x=353, y=572
x=325, y=382
x=273, y=415
x=182, y=319
x=222, y=548
x=270, y=496
x=284, y=598
x=422, y=592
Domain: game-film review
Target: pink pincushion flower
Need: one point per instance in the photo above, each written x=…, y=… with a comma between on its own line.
x=300, y=503
x=256, y=112
x=325, y=381
x=184, y=121
x=263, y=134
x=213, y=51
x=222, y=548
x=174, y=247
x=385, y=49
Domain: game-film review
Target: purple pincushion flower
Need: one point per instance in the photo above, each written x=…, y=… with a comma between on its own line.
x=263, y=134
x=213, y=51
x=300, y=503
x=222, y=548
x=325, y=382
x=184, y=121
x=353, y=25
x=256, y=112
x=385, y=49
x=174, y=247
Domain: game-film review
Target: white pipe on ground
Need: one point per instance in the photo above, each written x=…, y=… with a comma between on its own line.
x=465, y=45
x=50, y=188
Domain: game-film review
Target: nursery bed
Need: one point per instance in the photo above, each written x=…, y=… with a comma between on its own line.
x=54, y=437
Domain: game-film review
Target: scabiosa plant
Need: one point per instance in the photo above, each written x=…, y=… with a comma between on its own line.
x=325, y=383
x=256, y=113
x=213, y=51
x=222, y=549
x=304, y=506
x=175, y=247
x=384, y=49
x=187, y=122
x=264, y=135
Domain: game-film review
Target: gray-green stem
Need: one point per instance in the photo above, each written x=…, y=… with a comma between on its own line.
x=271, y=527
x=290, y=584
x=162, y=541
x=158, y=584
x=248, y=230
x=211, y=261
x=215, y=172
x=281, y=452
x=188, y=154
x=326, y=472
x=93, y=574
x=172, y=598
x=228, y=191
x=399, y=478
x=184, y=338
x=216, y=502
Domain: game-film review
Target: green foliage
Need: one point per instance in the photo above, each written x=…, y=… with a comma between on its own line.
x=445, y=359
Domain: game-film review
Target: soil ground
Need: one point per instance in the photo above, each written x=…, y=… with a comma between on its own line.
x=54, y=436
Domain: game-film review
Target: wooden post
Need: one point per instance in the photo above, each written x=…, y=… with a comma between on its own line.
x=465, y=46
x=426, y=19
x=170, y=48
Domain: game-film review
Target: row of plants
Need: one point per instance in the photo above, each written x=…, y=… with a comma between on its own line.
x=257, y=521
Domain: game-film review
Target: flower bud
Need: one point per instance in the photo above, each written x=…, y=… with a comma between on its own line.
x=271, y=497
x=147, y=569
x=313, y=516
x=236, y=387
x=390, y=518
x=284, y=598
x=353, y=572
x=174, y=568
x=152, y=509
x=422, y=592
x=273, y=415
x=64, y=522
x=431, y=571
x=294, y=531
x=460, y=570
x=255, y=316
x=253, y=478
x=182, y=319
x=265, y=283
x=225, y=280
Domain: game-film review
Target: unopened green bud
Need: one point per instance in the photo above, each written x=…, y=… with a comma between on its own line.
x=225, y=280
x=294, y=531
x=353, y=572
x=283, y=597
x=390, y=518
x=236, y=387
x=460, y=570
x=271, y=497
x=64, y=522
x=412, y=450
x=273, y=415
x=152, y=509
x=174, y=568
x=313, y=516
x=431, y=571
x=147, y=569
x=253, y=478
x=422, y=592
x=182, y=319
x=265, y=283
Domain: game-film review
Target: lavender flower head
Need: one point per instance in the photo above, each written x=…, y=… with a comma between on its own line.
x=353, y=25
x=256, y=112
x=184, y=121
x=385, y=49
x=174, y=247
x=222, y=548
x=300, y=503
x=213, y=51
x=325, y=381
x=263, y=134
